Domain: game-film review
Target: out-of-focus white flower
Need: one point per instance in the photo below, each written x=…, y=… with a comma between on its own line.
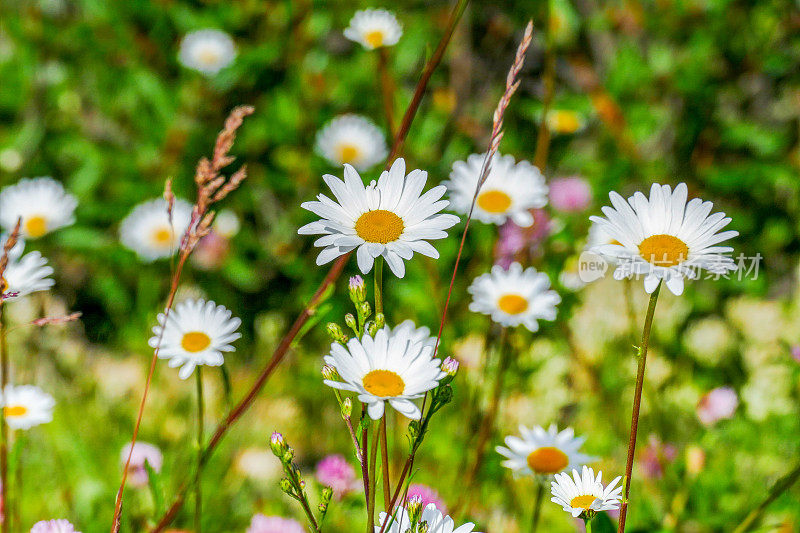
x=390, y=219
x=510, y=191
x=374, y=28
x=514, y=296
x=41, y=203
x=25, y=406
x=352, y=139
x=543, y=452
x=196, y=333
x=149, y=232
x=24, y=274
x=207, y=51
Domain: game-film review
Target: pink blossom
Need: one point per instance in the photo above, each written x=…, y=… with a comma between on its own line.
x=716, y=405
x=211, y=252
x=796, y=353
x=53, y=526
x=274, y=524
x=513, y=239
x=335, y=472
x=427, y=495
x=570, y=195
x=142, y=452
x=656, y=456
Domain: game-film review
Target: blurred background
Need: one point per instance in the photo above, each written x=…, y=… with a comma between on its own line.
x=698, y=91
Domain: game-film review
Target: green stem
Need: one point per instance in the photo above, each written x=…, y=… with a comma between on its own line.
x=637, y=401
x=378, y=286
x=588, y=524
x=780, y=486
x=198, y=495
x=537, y=505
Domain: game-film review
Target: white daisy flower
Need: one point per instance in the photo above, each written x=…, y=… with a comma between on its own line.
x=510, y=192
x=196, y=333
x=543, y=452
x=352, y=139
x=24, y=274
x=390, y=218
x=42, y=203
x=148, y=231
x=374, y=28
x=25, y=406
x=664, y=237
x=396, y=366
x=207, y=51
x=437, y=522
x=584, y=493
x=514, y=296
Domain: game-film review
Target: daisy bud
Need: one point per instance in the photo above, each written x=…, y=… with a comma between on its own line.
x=358, y=290
x=450, y=368
x=336, y=333
x=380, y=320
x=277, y=444
x=414, y=508
x=327, y=494
x=350, y=320
x=364, y=310
x=330, y=373
x=347, y=408
x=423, y=527
x=371, y=328
x=286, y=486
x=288, y=455
x=302, y=484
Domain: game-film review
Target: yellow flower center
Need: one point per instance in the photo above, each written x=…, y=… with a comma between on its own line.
x=15, y=410
x=513, y=304
x=582, y=502
x=663, y=250
x=494, y=201
x=374, y=38
x=3, y=285
x=380, y=226
x=195, y=341
x=384, y=383
x=162, y=236
x=547, y=460
x=208, y=57
x=564, y=121
x=35, y=226
x=348, y=153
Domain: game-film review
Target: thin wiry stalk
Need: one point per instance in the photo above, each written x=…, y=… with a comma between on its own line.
x=780, y=486
x=4, y=366
x=331, y=277
x=211, y=187
x=494, y=142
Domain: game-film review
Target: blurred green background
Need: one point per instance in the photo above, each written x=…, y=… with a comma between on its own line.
x=705, y=92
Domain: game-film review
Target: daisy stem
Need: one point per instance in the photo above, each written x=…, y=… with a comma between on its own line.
x=588, y=524
x=4, y=499
x=373, y=481
x=385, y=463
x=637, y=401
x=378, y=286
x=537, y=505
x=198, y=495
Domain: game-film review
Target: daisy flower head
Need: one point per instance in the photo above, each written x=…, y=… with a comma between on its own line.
x=437, y=522
x=149, y=232
x=514, y=296
x=24, y=274
x=196, y=333
x=585, y=493
x=394, y=367
x=390, y=218
x=41, y=203
x=207, y=51
x=351, y=139
x=543, y=452
x=53, y=526
x=664, y=237
x=25, y=406
x=374, y=28
x=510, y=191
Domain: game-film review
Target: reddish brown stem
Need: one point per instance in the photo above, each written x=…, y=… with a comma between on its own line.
x=387, y=88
